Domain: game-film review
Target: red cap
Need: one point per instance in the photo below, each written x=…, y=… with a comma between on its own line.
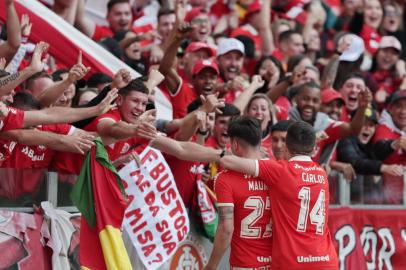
x=206, y=63
x=329, y=94
x=195, y=46
x=194, y=12
x=253, y=7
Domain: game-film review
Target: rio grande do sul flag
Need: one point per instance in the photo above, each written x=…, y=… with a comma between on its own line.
x=99, y=196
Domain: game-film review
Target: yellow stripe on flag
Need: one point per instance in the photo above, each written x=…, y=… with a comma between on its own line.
x=115, y=254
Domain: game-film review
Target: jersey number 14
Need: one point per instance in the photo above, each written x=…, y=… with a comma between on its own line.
x=317, y=214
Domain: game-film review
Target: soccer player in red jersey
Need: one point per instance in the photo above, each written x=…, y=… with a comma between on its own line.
x=299, y=197
x=244, y=206
x=299, y=194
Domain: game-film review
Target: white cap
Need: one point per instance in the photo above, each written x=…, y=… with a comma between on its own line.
x=355, y=50
x=390, y=42
x=230, y=44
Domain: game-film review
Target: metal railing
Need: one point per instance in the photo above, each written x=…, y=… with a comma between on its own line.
x=55, y=188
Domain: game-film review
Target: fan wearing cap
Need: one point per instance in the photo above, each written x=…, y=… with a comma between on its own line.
x=230, y=56
x=390, y=141
x=194, y=52
x=358, y=150
x=331, y=103
x=204, y=73
x=387, y=69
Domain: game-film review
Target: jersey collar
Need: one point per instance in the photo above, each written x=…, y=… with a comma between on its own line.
x=300, y=158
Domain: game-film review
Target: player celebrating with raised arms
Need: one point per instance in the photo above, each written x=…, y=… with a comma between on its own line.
x=243, y=205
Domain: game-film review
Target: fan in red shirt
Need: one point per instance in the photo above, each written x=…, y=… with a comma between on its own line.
x=299, y=195
x=244, y=206
x=120, y=128
x=119, y=17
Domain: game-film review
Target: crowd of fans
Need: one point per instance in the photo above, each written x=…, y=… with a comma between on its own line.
x=338, y=65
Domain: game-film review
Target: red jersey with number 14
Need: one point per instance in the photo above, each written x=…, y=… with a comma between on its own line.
x=299, y=198
x=251, y=244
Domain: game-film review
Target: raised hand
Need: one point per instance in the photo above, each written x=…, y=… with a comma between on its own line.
x=211, y=103
x=145, y=127
x=364, y=98
x=3, y=110
x=121, y=79
x=3, y=63
x=257, y=82
x=106, y=104
x=26, y=25
x=344, y=43
x=79, y=143
x=78, y=71
x=148, y=117
x=36, y=64
x=184, y=29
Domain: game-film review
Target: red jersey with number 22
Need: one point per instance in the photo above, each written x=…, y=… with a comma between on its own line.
x=251, y=244
x=299, y=198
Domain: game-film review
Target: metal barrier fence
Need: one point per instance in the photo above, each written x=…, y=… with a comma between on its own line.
x=21, y=189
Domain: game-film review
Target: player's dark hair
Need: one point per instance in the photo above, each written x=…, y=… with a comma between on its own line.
x=98, y=78
x=38, y=75
x=25, y=101
x=307, y=85
x=281, y=126
x=300, y=138
x=247, y=129
x=135, y=85
x=165, y=11
x=112, y=3
x=56, y=76
x=352, y=75
x=229, y=110
x=286, y=35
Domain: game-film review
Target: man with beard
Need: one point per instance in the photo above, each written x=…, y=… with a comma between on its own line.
x=328, y=131
x=230, y=56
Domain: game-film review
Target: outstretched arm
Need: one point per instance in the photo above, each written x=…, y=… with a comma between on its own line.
x=84, y=24
x=68, y=143
x=186, y=150
x=7, y=84
x=51, y=94
x=55, y=115
x=10, y=47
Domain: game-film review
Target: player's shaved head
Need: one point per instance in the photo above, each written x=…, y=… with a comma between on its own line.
x=247, y=129
x=300, y=138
